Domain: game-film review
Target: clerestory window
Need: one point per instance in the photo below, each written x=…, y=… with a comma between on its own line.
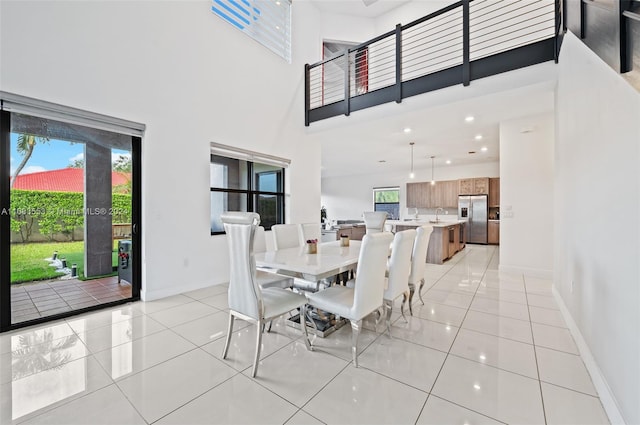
x=266, y=21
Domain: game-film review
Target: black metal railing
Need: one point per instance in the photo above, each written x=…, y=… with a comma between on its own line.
x=454, y=45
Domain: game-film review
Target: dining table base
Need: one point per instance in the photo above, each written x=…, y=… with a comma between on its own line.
x=324, y=326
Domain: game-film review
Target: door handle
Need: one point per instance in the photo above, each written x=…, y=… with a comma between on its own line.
x=135, y=229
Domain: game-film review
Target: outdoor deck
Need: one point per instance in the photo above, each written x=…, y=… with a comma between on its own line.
x=41, y=299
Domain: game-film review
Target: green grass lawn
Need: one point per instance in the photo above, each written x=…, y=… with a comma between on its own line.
x=28, y=264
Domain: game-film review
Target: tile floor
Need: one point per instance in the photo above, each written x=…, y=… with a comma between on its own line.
x=41, y=299
x=484, y=348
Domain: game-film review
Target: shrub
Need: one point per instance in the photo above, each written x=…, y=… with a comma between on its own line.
x=58, y=212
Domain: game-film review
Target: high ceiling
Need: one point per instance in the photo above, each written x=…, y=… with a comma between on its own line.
x=373, y=141
x=361, y=8
x=356, y=144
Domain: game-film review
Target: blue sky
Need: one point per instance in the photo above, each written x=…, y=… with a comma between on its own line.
x=51, y=155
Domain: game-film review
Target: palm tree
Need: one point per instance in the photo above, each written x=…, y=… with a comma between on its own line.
x=39, y=351
x=26, y=144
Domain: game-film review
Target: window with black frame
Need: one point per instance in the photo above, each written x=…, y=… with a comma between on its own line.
x=241, y=185
x=387, y=199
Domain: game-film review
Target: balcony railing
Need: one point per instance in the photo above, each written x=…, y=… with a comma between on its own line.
x=467, y=40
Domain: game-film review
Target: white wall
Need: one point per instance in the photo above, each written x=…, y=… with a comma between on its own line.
x=347, y=197
x=192, y=79
x=407, y=13
x=351, y=29
x=598, y=179
x=526, y=195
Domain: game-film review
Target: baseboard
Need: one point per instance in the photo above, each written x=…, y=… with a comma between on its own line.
x=607, y=398
x=527, y=271
x=175, y=290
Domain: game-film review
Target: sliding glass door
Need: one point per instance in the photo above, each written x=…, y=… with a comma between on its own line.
x=70, y=218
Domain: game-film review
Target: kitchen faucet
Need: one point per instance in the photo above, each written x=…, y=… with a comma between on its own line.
x=441, y=209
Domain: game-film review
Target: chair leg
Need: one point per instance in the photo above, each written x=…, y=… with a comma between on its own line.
x=303, y=322
x=258, y=347
x=420, y=291
x=378, y=317
x=388, y=307
x=229, y=330
x=405, y=297
x=412, y=290
x=356, y=325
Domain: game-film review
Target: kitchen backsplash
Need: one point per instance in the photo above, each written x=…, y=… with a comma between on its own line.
x=449, y=214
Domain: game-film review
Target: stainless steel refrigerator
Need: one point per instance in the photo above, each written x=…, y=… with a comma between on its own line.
x=473, y=208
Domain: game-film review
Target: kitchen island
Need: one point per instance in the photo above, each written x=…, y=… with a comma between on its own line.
x=355, y=231
x=446, y=238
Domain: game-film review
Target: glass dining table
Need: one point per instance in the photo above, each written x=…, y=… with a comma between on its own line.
x=331, y=259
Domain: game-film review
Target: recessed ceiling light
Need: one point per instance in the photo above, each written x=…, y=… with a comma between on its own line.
x=479, y=137
x=407, y=130
x=382, y=160
x=469, y=118
x=448, y=161
x=484, y=149
x=471, y=152
x=476, y=387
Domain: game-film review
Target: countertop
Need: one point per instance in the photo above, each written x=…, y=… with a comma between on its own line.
x=348, y=226
x=418, y=223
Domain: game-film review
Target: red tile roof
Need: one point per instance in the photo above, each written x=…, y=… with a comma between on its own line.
x=63, y=180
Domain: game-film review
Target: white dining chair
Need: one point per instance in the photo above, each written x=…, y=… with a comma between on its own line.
x=264, y=278
x=309, y=231
x=365, y=297
x=260, y=240
x=398, y=272
x=418, y=263
x=374, y=221
x=247, y=300
x=286, y=236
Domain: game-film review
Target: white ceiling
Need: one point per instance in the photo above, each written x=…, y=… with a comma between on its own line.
x=358, y=7
x=356, y=144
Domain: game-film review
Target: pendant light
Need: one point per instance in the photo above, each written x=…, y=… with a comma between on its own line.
x=411, y=174
x=433, y=181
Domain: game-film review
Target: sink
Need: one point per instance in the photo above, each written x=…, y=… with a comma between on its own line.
x=435, y=221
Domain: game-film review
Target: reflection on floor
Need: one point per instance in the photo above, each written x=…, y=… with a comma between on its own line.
x=484, y=348
x=42, y=299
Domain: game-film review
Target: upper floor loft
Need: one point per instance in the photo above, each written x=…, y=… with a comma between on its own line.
x=465, y=41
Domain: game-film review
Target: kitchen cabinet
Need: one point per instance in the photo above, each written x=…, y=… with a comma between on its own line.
x=462, y=235
x=443, y=194
x=355, y=232
x=446, y=194
x=493, y=232
x=477, y=186
x=481, y=186
x=444, y=242
x=328, y=236
x=465, y=187
x=358, y=232
x=454, y=239
x=494, y=192
x=420, y=195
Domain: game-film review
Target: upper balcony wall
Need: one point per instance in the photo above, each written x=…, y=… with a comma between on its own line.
x=408, y=13
x=452, y=45
x=347, y=28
